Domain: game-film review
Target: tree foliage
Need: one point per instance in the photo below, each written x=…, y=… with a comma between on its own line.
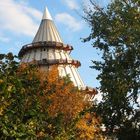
x=37, y=104
x=115, y=31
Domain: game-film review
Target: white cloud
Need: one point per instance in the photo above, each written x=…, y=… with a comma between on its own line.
x=18, y=18
x=69, y=21
x=37, y=15
x=4, y=39
x=72, y=4
x=100, y=3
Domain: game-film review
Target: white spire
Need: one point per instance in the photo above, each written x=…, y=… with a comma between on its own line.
x=47, y=14
x=47, y=30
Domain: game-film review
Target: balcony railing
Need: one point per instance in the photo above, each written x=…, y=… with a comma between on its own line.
x=54, y=45
x=58, y=62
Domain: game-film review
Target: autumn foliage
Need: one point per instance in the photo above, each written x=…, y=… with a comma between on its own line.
x=38, y=104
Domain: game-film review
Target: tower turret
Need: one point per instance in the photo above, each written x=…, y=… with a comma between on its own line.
x=48, y=49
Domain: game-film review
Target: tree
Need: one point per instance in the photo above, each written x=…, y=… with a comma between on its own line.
x=115, y=31
x=37, y=104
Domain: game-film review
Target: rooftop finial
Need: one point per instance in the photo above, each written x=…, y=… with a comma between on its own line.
x=47, y=14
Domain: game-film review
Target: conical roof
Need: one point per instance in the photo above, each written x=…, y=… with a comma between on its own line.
x=47, y=30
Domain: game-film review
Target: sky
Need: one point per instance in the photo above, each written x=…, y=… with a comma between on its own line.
x=20, y=19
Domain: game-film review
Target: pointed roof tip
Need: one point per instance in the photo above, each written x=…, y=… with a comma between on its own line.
x=47, y=30
x=46, y=14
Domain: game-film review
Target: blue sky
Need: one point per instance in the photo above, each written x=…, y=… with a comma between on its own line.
x=20, y=19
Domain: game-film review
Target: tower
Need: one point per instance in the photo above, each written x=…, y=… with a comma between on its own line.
x=48, y=49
